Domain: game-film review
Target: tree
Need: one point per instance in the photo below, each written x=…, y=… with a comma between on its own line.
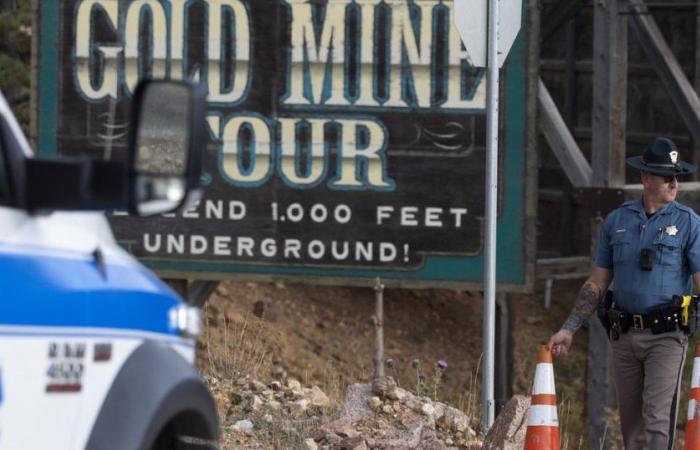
x=15, y=55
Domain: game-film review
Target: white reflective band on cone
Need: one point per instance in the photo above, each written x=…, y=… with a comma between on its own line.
x=542, y=415
x=544, y=379
x=692, y=405
x=695, y=378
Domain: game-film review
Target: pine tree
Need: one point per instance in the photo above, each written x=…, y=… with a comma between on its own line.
x=15, y=55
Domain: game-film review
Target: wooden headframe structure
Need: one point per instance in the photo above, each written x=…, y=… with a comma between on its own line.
x=612, y=20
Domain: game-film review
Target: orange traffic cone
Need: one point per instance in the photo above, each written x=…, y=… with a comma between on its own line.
x=692, y=427
x=542, y=421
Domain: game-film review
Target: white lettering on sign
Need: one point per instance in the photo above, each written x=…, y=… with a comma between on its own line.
x=168, y=26
x=319, y=58
x=413, y=216
x=361, y=163
x=275, y=248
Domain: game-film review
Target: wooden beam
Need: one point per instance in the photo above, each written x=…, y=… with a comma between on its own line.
x=570, y=101
x=609, y=122
x=200, y=291
x=568, y=268
x=557, y=15
x=560, y=140
x=609, y=94
x=664, y=62
x=696, y=85
x=503, y=385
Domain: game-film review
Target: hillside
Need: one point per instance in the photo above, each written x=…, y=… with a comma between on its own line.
x=324, y=336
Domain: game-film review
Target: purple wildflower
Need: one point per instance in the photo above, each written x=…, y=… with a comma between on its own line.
x=442, y=364
x=416, y=362
x=390, y=363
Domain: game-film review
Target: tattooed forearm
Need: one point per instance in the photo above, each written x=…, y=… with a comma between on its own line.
x=586, y=303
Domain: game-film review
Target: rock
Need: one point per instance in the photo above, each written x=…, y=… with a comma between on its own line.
x=292, y=384
x=310, y=444
x=243, y=426
x=268, y=418
x=293, y=395
x=397, y=394
x=384, y=386
x=356, y=402
x=274, y=405
x=439, y=410
x=430, y=441
x=375, y=403
x=413, y=403
x=355, y=443
x=333, y=439
x=275, y=386
x=408, y=439
x=318, y=398
x=428, y=410
x=508, y=430
x=453, y=420
x=255, y=403
x=340, y=427
x=388, y=409
x=298, y=408
x=256, y=386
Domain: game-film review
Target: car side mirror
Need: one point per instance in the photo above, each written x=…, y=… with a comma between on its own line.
x=165, y=146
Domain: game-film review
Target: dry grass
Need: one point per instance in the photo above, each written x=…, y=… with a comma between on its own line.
x=234, y=352
x=234, y=349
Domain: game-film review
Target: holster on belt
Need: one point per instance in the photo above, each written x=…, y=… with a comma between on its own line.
x=619, y=323
x=664, y=319
x=602, y=311
x=689, y=310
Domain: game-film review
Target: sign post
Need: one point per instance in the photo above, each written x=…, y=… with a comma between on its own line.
x=489, y=327
x=469, y=19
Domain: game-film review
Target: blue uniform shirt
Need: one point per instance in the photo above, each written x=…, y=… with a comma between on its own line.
x=673, y=233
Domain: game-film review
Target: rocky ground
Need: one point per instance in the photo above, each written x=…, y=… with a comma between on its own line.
x=284, y=414
x=323, y=337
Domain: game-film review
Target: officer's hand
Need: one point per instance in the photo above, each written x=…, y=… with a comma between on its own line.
x=560, y=343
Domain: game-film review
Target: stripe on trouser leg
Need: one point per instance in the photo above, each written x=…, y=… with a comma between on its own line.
x=542, y=415
x=674, y=404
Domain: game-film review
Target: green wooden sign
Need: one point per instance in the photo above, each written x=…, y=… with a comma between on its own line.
x=346, y=136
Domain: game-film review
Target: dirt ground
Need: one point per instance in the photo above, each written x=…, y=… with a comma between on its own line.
x=325, y=336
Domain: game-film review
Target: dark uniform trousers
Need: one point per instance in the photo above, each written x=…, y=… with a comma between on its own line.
x=648, y=370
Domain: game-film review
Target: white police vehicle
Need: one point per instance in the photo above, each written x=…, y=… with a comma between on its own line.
x=95, y=351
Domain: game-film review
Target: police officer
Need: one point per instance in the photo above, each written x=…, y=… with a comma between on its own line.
x=651, y=248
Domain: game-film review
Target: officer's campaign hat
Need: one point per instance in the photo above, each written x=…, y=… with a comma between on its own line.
x=661, y=158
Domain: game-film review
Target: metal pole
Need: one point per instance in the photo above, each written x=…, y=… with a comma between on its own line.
x=487, y=396
x=379, y=328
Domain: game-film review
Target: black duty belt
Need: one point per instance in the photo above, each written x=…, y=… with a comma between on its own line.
x=681, y=313
x=659, y=320
x=646, y=321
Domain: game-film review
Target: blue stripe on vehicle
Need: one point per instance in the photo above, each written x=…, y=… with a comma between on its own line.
x=50, y=291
